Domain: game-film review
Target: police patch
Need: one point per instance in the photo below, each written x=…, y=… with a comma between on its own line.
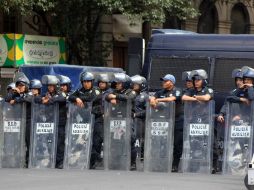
x=97, y=92
x=210, y=90
x=178, y=93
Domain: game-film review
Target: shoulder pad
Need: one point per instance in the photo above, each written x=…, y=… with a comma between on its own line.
x=210, y=90
x=178, y=92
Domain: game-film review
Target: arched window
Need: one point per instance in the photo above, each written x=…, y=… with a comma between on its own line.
x=208, y=20
x=240, y=19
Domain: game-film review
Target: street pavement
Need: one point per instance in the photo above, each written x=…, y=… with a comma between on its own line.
x=55, y=179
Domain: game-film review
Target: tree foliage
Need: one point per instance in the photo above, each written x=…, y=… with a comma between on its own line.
x=78, y=20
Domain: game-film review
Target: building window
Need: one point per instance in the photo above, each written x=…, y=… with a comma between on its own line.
x=240, y=20
x=10, y=23
x=208, y=20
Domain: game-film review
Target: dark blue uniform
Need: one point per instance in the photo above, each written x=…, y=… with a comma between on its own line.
x=60, y=98
x=178, y=132
x=91, y=95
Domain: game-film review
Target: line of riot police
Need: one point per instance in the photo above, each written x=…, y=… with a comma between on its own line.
x=117, y=124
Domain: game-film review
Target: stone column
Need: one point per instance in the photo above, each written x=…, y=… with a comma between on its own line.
x=191, y=25
x=251, y=26
x=224, y=27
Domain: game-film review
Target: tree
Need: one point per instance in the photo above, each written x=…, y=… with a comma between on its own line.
x=79, y=20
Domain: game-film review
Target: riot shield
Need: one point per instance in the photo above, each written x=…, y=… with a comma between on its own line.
x=43, y=135
x=238, y=138
x=117, y=139
x=78, y=137
x=198, y=137
x=13, y=149
x=159, y=137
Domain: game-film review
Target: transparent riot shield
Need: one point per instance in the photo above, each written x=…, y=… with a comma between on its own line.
x=43, y=136
x=78, y=137
x=117, y=136
x=198, y=137
x=13, y=149
x=238, y=138
x=159, y=137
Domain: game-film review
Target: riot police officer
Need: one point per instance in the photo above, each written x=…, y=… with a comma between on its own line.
x=98, y=111
x=186, y=77
x=139, y=113
x=167, y=94
x=200, y=92
x=10, y=87
x=87, y=93
x=123, y=93
x=35, y=87
x=65, y=91
x=236, y=95
x=19, y=92
x=52, y=95
x=17, y=95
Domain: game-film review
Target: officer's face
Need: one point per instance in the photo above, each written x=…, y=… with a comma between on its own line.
x=35, y=92
x=51, y=88
x=198, y=83
x=87, y=85
x=167, y=84
x=64, y=88
x=102, y=85
x=247, y=81
x=119, y=86
x=239, y=82
x=21, y=87
x=189, y=84
x=136, y=87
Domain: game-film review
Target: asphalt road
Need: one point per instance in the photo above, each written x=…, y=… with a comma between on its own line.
x=55, y=179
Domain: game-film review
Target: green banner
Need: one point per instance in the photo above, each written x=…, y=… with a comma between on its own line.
x=19, y=49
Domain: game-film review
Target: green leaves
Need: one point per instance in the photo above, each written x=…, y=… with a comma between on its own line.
x=149, y=10
x=79, y=20
x=26, y=7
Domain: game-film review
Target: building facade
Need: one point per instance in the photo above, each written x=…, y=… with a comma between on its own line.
x=218, y=16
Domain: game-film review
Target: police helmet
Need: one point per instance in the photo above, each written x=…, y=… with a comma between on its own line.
x=247, y=72
x=63, y=79
x=186, y=76
x=49, y=80
x=103, y=78
x=86, y=76
x=35, y=84
x=237, y=73
x=120, y=77
x=10, y=86
x=21, y=78
x=198, y=74
x=137, y=79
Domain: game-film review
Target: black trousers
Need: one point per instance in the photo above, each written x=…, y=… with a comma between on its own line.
x=60, y=144
x=178, y=141
x=97, y=140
